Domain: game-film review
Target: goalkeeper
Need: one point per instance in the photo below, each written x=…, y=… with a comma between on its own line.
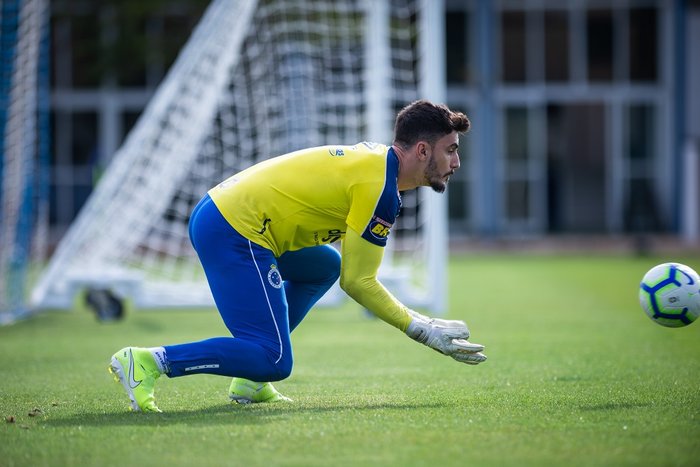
x=263, y=237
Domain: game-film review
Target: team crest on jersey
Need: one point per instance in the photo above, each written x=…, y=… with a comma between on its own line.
x=379, y=228
x=274, y=277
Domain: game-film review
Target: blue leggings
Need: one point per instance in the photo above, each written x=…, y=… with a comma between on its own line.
x=261, y=299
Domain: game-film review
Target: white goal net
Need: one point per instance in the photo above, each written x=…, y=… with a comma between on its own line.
x=256, y=79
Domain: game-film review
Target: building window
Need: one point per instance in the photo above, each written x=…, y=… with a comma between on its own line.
x=517, y=134
x=457, y=51
x=517, y=183
x=556, y=36
x=513, y=66
x=643, y=41
x=461, y=183
x=599, y=28
x=518, y=200
x=75, y=141
x=640, y=136
x=641, y=209
x=86, y=59
x=458, y=199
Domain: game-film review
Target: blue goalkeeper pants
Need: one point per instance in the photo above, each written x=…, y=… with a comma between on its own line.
x=260, y=297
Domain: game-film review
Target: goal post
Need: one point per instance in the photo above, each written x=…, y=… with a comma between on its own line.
x=258, y=78
x=432, y=81
x=23, y=143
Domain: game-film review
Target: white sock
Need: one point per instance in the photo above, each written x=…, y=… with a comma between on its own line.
x=160, y=358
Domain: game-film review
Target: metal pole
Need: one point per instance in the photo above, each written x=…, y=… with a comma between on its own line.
x=432, y=86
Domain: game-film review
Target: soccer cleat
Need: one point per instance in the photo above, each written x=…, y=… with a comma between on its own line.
x=243, y=391
x=137, y=370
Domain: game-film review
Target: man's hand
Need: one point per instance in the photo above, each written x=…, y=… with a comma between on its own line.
x=448, y=337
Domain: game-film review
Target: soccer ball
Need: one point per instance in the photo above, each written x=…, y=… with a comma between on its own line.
x=670, y=294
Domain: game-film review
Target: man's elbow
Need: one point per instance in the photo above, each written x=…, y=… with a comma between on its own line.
x=351, y=286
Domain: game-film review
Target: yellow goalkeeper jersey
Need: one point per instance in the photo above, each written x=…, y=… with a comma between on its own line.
x=310, y=197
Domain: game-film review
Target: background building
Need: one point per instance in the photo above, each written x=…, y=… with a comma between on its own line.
x=107, y=60
x=582, y=110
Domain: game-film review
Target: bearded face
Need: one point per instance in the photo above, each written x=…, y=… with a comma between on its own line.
x=442, y=161
x=435, y=177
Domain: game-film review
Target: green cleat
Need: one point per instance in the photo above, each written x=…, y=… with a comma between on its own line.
x=137, y=370
x=244, y=391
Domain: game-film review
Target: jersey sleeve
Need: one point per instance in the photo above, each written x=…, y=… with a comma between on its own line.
x=358, y=277
x=383, y=218
x=376, y=225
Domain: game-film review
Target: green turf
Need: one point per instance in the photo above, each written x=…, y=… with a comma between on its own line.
x=577, y=375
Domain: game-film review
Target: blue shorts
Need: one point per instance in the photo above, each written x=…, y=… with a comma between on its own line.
x=260, y=297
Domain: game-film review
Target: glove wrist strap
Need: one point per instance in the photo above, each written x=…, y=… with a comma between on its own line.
x=418, y=331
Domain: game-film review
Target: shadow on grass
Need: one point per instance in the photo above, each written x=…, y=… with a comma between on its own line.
x=615, y=406
x=226, y=414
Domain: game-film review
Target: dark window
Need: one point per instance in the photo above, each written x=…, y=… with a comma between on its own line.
x=54, y=152
x=84, y=129
x=576, y=165
x=642, y=129
x=130, y=52
x=87, y=60
x=513, y=46
x=641, y=208
x=457, y=49
x=517, y=134
x=643, y=41
x=457, y=200
x=517, y=198
x=556, y=36
x=600, y=45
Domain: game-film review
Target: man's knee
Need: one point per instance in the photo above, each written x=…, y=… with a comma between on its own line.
x=318, y=265
x=331, y=264
x=282, y=368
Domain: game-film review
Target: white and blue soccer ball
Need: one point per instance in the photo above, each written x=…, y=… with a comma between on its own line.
x=670, y=294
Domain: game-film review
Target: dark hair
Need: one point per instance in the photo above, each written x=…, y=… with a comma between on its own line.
x=424, y=121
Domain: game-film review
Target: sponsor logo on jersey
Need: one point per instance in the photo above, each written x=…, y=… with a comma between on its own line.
x=264, y=225
x=274, y=277
x=328, y=236
x=227, y=183
x=379, y=228
x=336, y=152
x=333, y=236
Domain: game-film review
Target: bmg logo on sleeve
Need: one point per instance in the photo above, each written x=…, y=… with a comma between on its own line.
x=379, y=228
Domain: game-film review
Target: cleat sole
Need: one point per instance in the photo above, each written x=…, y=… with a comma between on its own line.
x=117, y=371
x=241, y=400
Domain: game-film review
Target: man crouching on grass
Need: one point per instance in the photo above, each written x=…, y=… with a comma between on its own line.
x=263, y=237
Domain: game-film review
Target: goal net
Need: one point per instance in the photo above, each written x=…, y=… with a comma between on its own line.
x=23, y=130
x=256, y=79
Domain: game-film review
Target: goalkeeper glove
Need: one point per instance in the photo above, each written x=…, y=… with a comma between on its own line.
x=448, y=337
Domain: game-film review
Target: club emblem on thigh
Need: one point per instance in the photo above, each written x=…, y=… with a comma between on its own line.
x=274, y=277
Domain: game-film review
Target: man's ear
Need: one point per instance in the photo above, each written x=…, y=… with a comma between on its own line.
x=422, y=150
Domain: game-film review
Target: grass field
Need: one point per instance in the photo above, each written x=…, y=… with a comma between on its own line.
x=577, y=375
